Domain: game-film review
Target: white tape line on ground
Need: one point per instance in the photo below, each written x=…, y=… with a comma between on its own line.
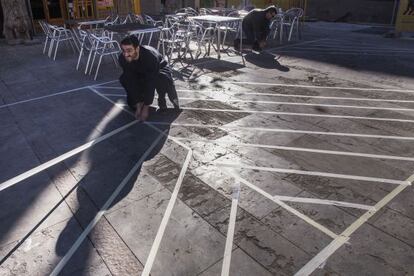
x=322, y=87
x=328, y=251
x=167, y=214
x=166, y=217
x=299, y=114
x=354, y=50
x=237, y=93
x=121, y=106
x=48, y=96
x=62, y=157
x=110, y=87
x=321, y=52
x=225, y=270
x=269, y=129
x=314, y=173
x=324, y=202
x=331, y=152
x=114, y=95
x=281, y=204
x=105, y=207
x=303, y=104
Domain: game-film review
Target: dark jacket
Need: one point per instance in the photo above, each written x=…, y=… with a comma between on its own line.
x=140, y=76
x=255, y=24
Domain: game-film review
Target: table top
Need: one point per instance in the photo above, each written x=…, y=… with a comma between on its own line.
x=215, y=18
x=131, y=27
x=84, y=22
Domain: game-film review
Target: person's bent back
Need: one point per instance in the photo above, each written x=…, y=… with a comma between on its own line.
x=256, y=27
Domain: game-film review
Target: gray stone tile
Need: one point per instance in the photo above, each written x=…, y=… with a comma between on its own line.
x=372, y=252
x=26, y=204
x=39, y=254
x=396, y=225
x=189, y=245
x=241, y=265
x=304, y=235
x=265, y=246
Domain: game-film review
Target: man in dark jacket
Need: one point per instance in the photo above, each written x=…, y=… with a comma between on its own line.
x=144, y=70
x=256, y=27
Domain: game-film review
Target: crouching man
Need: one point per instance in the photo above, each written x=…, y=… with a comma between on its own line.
x=144, y=71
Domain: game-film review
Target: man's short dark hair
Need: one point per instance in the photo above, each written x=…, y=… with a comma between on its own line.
x=271, y=8
x=130, y=40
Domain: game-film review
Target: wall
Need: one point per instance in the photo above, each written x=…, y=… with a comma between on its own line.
x=369, y=11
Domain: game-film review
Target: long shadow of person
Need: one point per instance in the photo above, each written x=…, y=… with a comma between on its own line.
x=108, y=165
x=265, y=60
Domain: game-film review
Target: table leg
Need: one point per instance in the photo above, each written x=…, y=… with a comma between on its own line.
x=241, y=42
x=218, y=40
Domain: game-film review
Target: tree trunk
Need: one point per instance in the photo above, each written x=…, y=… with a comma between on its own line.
x=16, y=21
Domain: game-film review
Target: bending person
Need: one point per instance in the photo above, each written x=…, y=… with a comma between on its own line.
x=144, y=70
x=256, y=27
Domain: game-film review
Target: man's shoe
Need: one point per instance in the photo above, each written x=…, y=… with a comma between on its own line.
x=162, y=109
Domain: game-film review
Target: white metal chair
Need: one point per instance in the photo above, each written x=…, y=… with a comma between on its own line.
x=174, y=39
x=102, y=46
x=59, y=34
x=290, y=21
x=203, y=35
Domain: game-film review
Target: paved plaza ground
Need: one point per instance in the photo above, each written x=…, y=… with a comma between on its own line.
x=299, y=162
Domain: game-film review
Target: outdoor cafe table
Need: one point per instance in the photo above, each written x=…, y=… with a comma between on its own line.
x=219, y=21
x=133, y=29
x=81, y=23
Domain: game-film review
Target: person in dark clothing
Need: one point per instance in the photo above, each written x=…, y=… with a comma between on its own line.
x=144, y=71
x=256, y=27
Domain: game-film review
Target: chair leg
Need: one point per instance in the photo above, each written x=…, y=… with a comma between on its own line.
x=57, y=46
x=51, y=47
x=97, y=68
x=79, y=59
x=93, y=61
x=87, y=63
x=44, y=48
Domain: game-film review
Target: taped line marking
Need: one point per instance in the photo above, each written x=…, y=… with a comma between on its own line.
x=353, y=49
x=322, y=87
x=328, y=251
x=287, y=131
x=99, y=215
x=315, y=173
x=304, y=104
x=48, y=96
x=62, y=157
x=171, y=203
x=281, y=204
x=110, y=87
x=300, y=114
x=225, y=270
x=324, y=202
x=166, y=217
x=321, y=52
x=331, y=152
x=296, y=96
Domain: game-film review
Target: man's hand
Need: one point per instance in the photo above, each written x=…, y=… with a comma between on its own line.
x=144, y=113
x=262, y=44
x=138, y=111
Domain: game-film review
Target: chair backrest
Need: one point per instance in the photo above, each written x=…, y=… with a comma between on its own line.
x=205, y=11
x=233, y=14
x=293, y=12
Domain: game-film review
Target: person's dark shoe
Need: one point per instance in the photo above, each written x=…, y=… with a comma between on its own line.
x=256, y=48
x=176, y=104
x=162, y=109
